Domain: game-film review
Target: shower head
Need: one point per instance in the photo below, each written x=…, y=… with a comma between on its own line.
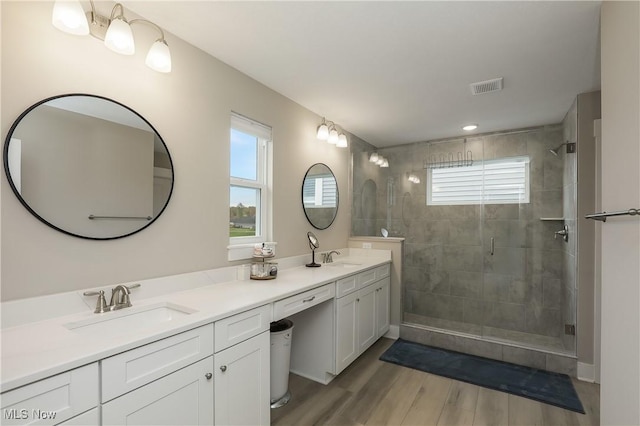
x=571, y=148
x=555, y=151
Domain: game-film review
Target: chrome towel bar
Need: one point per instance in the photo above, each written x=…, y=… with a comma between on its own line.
x=604, y=215
x=94, y=217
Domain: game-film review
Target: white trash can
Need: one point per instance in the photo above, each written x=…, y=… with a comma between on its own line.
x=281, y=332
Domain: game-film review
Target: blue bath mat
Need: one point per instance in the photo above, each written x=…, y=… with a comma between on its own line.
x=540, y=385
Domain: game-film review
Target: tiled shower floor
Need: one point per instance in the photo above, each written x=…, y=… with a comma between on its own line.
x=528, y=340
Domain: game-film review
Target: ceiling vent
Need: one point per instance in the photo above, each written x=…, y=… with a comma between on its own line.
x=486, y=86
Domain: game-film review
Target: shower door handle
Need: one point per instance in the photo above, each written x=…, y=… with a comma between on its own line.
x=493, y=243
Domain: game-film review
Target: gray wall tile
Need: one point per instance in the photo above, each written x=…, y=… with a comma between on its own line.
x=524, y=357
x=561, y=364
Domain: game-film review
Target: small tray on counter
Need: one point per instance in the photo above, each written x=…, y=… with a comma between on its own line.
x=263, y=270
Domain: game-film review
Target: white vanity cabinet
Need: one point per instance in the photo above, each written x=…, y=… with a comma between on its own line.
x=362, y=313
x=242, y=376
x=347, y=348
x=184, y=397
x=169, y=381
x=54, y=400
x=383, y=292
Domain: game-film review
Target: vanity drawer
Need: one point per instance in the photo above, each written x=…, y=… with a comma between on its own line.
x=383, y=271
x=52, y=400
x=129, y=370
x=242, y=326
x=294, y=304
x=366, y=277
x=346, y=285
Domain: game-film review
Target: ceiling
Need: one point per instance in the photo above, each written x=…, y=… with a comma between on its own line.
x=395, y=72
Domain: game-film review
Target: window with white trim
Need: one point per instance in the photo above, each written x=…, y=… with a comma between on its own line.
x=249, y=184
x=500, y=181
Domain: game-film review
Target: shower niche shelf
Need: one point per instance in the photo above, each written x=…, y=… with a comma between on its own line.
x=547, y=219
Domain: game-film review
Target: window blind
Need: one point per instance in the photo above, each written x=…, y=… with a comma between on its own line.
x=320, y=192
x=501, y=181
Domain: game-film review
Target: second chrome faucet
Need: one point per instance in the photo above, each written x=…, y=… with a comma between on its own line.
x=328, y=257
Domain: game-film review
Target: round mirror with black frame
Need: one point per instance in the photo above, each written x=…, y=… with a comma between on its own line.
x=88, y=166
x=320, y=196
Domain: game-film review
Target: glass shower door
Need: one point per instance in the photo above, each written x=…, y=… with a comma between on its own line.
x=524, y=280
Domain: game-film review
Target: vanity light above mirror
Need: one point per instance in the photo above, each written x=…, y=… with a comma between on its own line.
x=328, y=131
x=69, y=16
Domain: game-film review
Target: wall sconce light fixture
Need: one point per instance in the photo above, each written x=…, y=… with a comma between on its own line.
x=378, y=159
x=327, y=131
x=413, y=178
x=115, y=31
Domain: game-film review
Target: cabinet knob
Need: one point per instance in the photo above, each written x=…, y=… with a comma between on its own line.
x=208, y=376
x=223, y=368
x=357, y=300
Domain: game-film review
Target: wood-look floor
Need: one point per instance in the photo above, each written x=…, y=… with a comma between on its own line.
x=373, y=392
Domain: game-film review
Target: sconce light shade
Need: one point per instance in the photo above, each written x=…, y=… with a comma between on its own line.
x=159, y=57
x=323, y=131
x=342, y=141
x=373, y=158
x=385, y=163
x=119, y=37
x=68, y=16
x=333, y=136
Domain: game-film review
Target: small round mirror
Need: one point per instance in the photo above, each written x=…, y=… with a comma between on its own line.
x=320, y=196
x=313, y=245
x=313, y=240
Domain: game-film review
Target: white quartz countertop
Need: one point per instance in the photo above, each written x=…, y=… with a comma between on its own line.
x=35, y=350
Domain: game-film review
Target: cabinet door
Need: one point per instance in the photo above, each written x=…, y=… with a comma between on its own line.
x=242, y=383
x=382, y=307
x=184, y=397
x=346, y=331
x=366, y=317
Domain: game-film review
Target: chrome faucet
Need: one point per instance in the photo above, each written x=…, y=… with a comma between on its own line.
x=328, y=257
x=120, y=298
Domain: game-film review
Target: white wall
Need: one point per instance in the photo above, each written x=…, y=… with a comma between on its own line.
x=620, y=373
x=191, y=109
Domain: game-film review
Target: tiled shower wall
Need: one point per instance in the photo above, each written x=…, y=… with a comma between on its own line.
x=450, y=278
x=366, y=184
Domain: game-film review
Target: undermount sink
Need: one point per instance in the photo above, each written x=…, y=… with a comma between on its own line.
x=340, y=264
x=128, y=320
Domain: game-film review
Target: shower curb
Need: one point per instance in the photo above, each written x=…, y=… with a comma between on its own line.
x=516, y=354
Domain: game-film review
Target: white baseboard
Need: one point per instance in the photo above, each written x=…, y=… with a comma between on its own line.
x=586, y=372
x=393, y=333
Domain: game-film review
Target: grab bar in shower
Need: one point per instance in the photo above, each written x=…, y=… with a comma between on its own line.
x=602, y=217
x=94, y=217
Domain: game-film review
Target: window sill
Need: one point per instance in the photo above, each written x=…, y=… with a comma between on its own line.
x=245, y=251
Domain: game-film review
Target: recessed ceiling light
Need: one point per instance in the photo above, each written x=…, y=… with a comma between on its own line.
x=470, y=127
